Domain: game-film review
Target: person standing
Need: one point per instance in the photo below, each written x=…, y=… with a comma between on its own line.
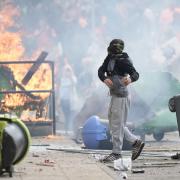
x=117, y=72
x=68, y=95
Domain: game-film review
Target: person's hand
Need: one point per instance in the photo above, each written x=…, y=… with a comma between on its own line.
x=126, y=80
x=108, y=82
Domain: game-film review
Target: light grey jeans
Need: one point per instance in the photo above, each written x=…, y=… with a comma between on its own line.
x=117, y=115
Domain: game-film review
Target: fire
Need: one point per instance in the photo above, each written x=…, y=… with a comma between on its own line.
x=42, y=79
x=10, y=46
x=11, y=99
x=12, y=49
x=6, y=16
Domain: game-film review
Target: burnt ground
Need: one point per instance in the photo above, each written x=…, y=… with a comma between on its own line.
x=41, y=163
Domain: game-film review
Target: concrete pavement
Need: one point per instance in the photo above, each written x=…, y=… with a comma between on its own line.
x=44, y=164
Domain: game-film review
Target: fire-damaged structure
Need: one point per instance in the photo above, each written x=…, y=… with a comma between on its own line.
x=34, y=106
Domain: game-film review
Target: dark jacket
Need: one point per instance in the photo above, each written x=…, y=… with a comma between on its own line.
x=123, y=66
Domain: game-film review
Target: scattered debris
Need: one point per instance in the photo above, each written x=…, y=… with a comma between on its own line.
x=53, y=137
x=98, y=157
x=137, y=171
x=176, y=156
x=156, y=164
x=35, y=155
x=46, y=162
x=122, y=175
x=123, y=164
x=105, y=152
x=40, y=145
x=161, y=163
x=160, y=150
x=83, y=151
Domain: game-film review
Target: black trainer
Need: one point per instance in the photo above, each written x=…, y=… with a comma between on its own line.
x=111, y=157
x=137, y=149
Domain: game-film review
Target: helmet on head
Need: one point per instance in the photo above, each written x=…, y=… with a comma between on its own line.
x=116, y=46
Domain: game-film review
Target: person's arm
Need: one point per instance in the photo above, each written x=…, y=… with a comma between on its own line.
x=133, y=74
x=101, y=73
x=102, y=70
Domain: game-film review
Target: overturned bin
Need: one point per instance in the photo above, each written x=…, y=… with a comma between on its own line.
x=14, y=142
x=96, y=134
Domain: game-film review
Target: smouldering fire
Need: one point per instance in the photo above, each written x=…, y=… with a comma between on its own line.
x=12, y=49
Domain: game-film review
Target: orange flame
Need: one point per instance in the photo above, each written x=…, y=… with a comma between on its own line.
x=6, y=16
x=15, y=99
x=12, y=49
x=10, y=46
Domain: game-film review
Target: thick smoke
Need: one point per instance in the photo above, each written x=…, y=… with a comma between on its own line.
x=77, y=33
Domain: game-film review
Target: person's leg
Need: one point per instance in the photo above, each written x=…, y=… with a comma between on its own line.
x=137, y=144
x=72, y=117
x=118, y=112
x=66, y=110
x=109, y=116
x=129, y=136
x=117, y=116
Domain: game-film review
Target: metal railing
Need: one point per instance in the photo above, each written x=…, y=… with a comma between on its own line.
x=51, y=91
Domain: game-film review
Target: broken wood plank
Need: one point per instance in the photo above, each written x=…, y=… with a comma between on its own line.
x=34, y=67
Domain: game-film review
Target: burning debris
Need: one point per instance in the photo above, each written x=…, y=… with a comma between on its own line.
x=25, y=86
x=24, y=102
x=34, y=68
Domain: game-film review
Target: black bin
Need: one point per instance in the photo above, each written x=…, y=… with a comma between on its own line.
x=174, y=106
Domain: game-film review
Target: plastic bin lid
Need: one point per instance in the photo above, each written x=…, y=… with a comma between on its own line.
x=94, y=126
